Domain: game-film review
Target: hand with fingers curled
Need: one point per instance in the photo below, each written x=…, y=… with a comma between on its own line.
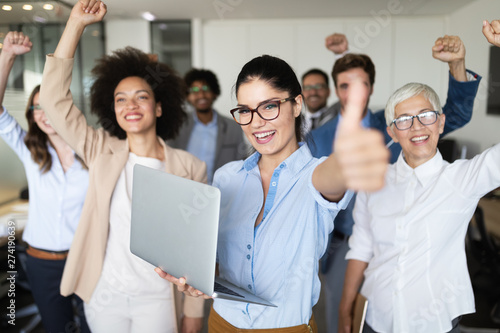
x=337, y=43
x=181, y=284
x=16, y=43
x=492, y=32
x=449, y=49
x=88, y=12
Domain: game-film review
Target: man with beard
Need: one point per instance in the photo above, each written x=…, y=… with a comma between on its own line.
x=212, y=138
x=316, y=91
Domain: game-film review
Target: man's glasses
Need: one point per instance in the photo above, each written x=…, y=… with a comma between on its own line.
x=425, y=118
x=198, y=89
x=267, y=110
x=318, y=86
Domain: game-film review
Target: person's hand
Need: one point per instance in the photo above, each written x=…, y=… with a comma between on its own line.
x=181, y=284
x=360, y=153
x=345, y=321
x=492, y=32
x=449, y=49
x=191, y=325
x=16, y=43
x=88, y=12
x=337, y=43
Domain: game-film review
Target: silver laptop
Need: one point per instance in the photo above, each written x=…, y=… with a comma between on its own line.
x=175, y=224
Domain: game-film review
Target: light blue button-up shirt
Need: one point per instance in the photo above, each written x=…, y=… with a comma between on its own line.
x=203, y=141
x=278, y=260
x=56, y=197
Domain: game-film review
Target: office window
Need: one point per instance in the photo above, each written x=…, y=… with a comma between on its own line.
x=171, y=41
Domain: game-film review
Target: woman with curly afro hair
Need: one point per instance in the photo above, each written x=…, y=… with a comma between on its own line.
x=139, y=103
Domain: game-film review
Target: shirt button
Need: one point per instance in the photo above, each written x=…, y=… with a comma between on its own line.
x=250, y=287
x=274, y=184
x=249, y=246
x=248, y=256
x=275, y=174
x=282, y=166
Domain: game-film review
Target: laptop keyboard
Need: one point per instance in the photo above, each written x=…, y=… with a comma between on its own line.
x=221, y=289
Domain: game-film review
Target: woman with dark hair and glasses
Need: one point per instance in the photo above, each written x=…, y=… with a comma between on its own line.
x=278, y=205
x=57, y=181
x=408, y=238
x=139, y=103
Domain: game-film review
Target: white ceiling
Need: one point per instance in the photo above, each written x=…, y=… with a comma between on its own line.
x=241, y=9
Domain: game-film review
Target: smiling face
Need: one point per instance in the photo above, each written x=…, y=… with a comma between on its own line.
x=135, y=107
x=272, y=138
x=40, y=118
x=419, y=143
x=201, y=97
x=343, y=81
x=315, y=98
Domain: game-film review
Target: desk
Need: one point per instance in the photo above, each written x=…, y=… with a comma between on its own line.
x=11, y=209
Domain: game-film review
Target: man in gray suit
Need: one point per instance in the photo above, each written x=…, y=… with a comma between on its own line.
x=316, y=91
x=212, y=138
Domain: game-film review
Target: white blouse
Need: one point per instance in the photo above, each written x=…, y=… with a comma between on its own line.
x=412, y=233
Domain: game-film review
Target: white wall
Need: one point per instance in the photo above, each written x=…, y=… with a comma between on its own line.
x=484, y=130
x=228, y=45
x=122, y=33
x=399, y=46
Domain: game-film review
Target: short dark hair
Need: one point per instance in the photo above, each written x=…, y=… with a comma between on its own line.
x=279, y=75
x=318, y=72
x=203, y=75
x=167, y=86
x=353, y=60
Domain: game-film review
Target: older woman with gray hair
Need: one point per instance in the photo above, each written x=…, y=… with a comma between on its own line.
x=408, y=238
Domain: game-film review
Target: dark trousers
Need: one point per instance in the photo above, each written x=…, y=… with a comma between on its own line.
x=57, y=312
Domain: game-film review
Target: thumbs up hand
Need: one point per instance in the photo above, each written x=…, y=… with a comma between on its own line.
x=360, y=153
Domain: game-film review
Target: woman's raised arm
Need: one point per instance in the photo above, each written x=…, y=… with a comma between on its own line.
x=84, y=13
x=14, y=44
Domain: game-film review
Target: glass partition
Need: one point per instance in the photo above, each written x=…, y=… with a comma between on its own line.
x=171, y=41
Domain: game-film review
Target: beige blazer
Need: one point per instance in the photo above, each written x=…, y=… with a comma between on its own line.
x=106, y=157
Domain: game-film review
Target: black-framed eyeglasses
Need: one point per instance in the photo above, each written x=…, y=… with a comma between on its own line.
x=198, y=89
x=425, y=118
x=318, y=86
x=37, y=107
x=267, y=110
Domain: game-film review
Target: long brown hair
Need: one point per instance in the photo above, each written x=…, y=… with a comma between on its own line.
x=37, y=140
